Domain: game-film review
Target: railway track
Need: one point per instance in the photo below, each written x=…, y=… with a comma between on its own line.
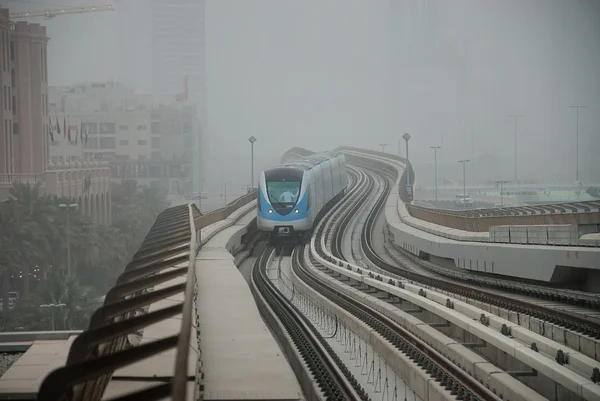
x=437, y=367
x=328, y=236
x=564, y=308
x=332, y=377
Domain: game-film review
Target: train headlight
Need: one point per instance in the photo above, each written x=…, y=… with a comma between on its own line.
x=296, y=211
x=270, y=211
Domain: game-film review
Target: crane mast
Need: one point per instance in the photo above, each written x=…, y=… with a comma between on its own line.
x=47, y=14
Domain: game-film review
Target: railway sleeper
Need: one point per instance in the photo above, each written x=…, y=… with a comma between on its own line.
x=545, y=386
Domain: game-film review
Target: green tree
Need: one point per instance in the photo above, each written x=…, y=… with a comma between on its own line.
x=80, y=304
x=33, y=233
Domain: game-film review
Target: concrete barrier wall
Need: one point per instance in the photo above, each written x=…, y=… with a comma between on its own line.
x=205, y=220
x=480, y=224
x=536, y=262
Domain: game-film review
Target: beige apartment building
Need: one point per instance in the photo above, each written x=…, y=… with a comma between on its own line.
x=25, y=134
x=152, y=144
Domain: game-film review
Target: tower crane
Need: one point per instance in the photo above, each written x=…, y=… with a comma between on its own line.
x=61, y=11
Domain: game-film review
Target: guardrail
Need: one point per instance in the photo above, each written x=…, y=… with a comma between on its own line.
x=403, y=185
x=483, y=219
x=105, y=347
x=204, y=220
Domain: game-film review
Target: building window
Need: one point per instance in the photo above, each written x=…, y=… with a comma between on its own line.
x=142, y=127
x=142, y=142
x=107, y=143
x=123, y=142
x=12, y=51
x=107, y=128
x=155, y=128
x=16, y=128
x=155, y=143
x=13, y=78
x=91, y=143
x=123, y=127
x=89, y=128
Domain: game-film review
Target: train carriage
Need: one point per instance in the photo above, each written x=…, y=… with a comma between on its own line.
x=291, y=196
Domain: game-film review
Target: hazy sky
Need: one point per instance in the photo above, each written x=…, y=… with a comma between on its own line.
x=319, y=74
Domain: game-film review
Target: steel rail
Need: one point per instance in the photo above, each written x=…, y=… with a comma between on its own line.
x=441, y=370
x=439, y=367
x=333, y=378
x=567, y=319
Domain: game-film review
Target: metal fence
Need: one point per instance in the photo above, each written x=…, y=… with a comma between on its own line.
x=167, y=253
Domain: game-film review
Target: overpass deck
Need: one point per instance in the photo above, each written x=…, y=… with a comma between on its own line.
x=241, y=358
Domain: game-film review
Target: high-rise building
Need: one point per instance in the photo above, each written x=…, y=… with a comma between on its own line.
x=178, y=49
x=178, y=61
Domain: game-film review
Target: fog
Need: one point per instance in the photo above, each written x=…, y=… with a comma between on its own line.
x=321, y=74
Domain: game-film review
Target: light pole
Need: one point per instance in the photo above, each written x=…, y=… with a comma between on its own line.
x=252, y=139
x=68, y=207
x=501, y=190
x=464, y=163
x=577, y=139
x=406, y=137
x=383, y=145
x=435, y=149
x=472, y=123
x=224, y=191
x=515, y=117
x=52, y=306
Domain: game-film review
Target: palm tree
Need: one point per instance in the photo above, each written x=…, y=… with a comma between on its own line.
x=19, y=245
x=79, y=300
x=36, y=213
x=80, y=304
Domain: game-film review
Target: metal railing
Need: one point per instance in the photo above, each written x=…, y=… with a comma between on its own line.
x=105, y=346
x=481, y=220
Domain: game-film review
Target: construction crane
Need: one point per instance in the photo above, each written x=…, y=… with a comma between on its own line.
x=61, y=11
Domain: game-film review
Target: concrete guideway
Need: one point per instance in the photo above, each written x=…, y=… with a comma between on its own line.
x=160, y=271
x=241, y=359
x=536, y=262
x=567, y=376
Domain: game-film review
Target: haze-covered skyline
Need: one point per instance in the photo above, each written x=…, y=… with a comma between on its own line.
x=323, y=74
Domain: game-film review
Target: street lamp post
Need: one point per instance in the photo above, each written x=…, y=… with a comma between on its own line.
x=68, y=208
x=501, y=190
x=577, y=139
x=383, y=145
x=472, y=123
x=224, y=191
x=515, y=117
x=52, y=306
x=435, y=149
x=252, y=139
x=406, y=137
x=464, y=162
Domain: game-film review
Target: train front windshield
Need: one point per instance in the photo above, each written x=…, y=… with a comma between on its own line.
x=284, y=192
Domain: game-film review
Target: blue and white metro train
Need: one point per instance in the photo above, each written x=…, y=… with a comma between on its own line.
x=291, y=196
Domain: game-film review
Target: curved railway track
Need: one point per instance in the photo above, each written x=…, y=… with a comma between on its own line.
x=330, y=234
x=332, y=377
x=499, y=293
x=440, y=369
